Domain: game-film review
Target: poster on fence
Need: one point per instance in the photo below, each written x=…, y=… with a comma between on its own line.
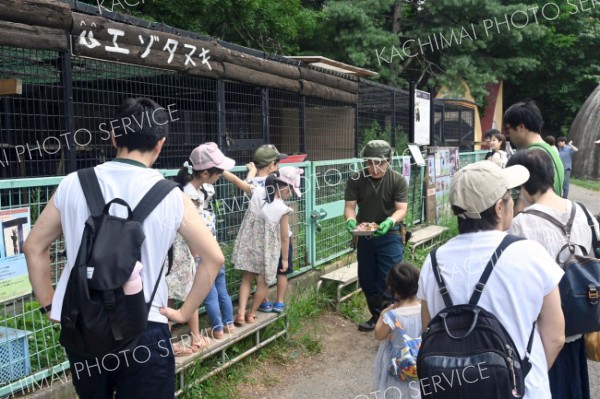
x=15, y=225
x=406, y=168
x=443, y=162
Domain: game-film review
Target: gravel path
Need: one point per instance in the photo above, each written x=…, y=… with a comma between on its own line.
x=343, y=368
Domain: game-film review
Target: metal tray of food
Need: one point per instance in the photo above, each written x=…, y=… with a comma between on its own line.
x=365, y=229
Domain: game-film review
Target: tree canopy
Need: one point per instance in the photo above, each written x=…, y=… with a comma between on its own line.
x=548, y=51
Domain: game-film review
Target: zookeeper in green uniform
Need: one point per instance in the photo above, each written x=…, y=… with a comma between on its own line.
x=382, y=197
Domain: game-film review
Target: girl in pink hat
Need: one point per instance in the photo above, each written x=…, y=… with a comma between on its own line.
x=197, y=176
x=263, y=237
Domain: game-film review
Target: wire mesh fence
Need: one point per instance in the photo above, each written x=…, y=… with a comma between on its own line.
x=62, y=122
x=454, y=124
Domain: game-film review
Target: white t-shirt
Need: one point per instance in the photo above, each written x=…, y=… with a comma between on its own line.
x=130, y=183
x=259, y=181
x=514, y=293
x=271, y=212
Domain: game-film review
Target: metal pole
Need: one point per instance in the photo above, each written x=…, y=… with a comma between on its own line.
x=67, y=85
x=302, y=124
x=393, y=143
x=221, y=124
x=264, y=111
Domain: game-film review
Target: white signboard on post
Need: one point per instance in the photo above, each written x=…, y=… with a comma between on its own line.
x=422, y=117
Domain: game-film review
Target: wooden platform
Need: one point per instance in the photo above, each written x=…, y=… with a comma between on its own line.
x=426, y=235
x=220, y=347
x=343, y=276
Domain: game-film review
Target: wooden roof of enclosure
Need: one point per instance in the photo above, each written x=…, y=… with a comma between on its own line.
x=60, y=26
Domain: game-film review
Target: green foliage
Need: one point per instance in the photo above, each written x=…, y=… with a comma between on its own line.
x=376, y=132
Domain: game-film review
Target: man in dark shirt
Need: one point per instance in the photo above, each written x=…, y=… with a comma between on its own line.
x=382, y=197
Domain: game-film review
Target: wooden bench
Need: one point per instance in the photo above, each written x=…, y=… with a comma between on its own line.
x=219, y=347
x=344, y=276
x=426, y=235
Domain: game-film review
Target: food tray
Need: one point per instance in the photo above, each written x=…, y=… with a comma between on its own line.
x=363, y=232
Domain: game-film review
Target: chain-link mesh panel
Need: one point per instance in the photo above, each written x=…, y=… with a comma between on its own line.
x=100, y=87
x=330, y=129
x=31, y=123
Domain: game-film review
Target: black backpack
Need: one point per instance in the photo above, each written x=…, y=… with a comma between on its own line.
x=97, y=317
x=580, y=285
x=466, y=352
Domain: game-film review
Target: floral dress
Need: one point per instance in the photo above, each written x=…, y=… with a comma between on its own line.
x=181, y=277
x=183, y=270
x=258, y=244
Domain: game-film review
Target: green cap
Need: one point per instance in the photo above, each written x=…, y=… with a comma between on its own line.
x=377, y=149
x=265, y=154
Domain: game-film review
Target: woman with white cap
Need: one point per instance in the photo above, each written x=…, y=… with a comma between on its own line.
x=263, y=238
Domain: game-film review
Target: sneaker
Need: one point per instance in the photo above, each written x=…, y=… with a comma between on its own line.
x=278, y=307
x=266, y=307
x=368, y=325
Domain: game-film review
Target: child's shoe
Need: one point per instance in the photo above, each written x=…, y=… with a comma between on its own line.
x=278, y=307
x=266, y=307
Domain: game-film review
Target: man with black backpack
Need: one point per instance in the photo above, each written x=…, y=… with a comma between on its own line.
x=118, y=221
x=498, y=324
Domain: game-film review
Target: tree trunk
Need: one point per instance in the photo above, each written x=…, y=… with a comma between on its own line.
x=32, y=37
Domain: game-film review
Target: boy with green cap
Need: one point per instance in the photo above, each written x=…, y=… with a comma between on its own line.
x=381, y=194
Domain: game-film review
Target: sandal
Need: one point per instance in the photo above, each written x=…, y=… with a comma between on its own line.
x=229, y=328
x=250, y=318
x=239, y=320
x=217, y=334
x=181, y=349
x=279, y=307
x=200, y=344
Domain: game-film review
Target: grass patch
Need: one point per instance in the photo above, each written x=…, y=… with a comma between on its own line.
x=355, y=308
x=304, y=306
x=584, y=183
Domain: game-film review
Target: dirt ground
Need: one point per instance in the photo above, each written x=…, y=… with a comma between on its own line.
x=342, y=370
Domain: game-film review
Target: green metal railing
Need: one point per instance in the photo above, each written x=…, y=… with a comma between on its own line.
x=317, y=224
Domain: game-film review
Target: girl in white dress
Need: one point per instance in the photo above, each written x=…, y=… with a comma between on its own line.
x=399, y=321
x=263, y=238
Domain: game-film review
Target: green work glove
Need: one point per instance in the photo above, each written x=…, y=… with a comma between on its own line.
x=384, y=227
x=350, y=225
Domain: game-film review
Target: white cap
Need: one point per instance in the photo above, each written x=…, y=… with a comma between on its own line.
x=476, y=187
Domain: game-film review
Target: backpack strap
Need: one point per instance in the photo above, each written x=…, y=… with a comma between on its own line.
x=489, y=268
x=595, y=241
x=565, y=228
x=440, y=280
x=152, y=198
x=91, y=190
x=146, y=205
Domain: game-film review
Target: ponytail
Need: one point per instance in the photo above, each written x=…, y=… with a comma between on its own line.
x=271, y=186
x=183, y=176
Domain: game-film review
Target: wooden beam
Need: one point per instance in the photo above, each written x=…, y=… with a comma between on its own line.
x=48, y=13
x=11, y=86
x=154, y=59
x=33, y=37
x=313, y=89
x=130, y=38
x=236, y=72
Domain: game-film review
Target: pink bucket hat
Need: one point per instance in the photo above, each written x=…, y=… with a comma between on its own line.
x=291, y=175
x=208, y=155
